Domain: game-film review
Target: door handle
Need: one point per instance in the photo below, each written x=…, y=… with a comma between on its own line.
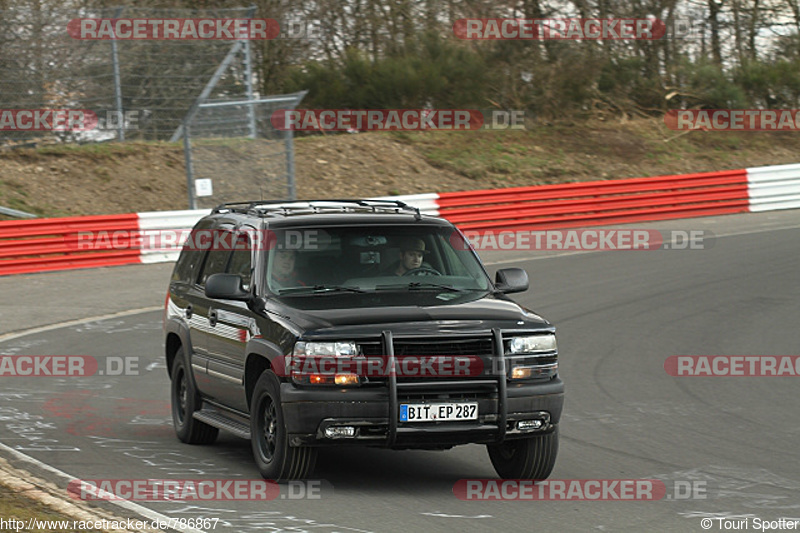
x=212, y=317
x=189, y=311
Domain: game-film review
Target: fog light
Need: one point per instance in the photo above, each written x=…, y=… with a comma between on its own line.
x=346, y=379
x=527, y=425
x=521, y=372
x=326, y=379
x=534, y=371
x=338, y=432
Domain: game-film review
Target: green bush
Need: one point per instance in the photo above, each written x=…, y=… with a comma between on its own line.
x=434, y=72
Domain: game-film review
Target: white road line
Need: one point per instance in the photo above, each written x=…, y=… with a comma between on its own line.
x=444, y=515
x=77, y=322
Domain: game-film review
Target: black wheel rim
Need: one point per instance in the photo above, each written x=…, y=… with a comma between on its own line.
x=181, y=397
x=268, y=440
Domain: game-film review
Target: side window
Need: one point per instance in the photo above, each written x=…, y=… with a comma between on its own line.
x=241, y=260
x=187, y=266
x=215, y=263
x=191, y=256
x=217, y=257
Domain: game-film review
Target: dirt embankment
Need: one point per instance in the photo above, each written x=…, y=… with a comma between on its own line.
x=131, y=177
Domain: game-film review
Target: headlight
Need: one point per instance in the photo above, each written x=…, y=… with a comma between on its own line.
x=330, y=349
x=314, y=363
x=533, y=344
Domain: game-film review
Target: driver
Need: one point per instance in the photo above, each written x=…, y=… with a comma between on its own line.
x=412, y=252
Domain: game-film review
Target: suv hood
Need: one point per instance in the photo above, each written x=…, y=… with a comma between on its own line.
x=478, y=315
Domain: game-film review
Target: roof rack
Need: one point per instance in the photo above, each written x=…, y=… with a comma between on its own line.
x=298, y=207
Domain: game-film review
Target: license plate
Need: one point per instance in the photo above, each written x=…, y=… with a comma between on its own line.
x=436, y=412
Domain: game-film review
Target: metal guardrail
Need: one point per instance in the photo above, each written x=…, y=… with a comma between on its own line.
x=774, y=187
x=598, y=202
x=47, y=244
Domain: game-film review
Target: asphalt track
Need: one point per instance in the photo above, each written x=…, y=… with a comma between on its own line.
x=619, y=314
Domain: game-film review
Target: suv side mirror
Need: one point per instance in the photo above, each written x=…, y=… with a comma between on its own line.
x=226, y=287
x=508, y=280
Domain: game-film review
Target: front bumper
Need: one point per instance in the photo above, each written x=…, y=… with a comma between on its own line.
x=308, y=412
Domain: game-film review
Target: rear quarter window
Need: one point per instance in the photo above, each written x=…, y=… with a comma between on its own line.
x=190, y=258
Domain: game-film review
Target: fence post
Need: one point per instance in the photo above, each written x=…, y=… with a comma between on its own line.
x=187, y=155
x=117, y=83
x=248, y=62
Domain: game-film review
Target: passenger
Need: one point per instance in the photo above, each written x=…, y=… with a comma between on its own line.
x=283, y=269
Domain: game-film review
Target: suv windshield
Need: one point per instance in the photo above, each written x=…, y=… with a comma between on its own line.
x=373, y=259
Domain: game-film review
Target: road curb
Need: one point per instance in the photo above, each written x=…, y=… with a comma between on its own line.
x=48, y=494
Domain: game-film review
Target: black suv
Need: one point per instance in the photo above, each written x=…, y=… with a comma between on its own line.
x=355, y=322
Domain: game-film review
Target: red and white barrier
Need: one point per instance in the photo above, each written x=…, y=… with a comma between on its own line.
x=42, y=245
x=776, y=187
x=155, y=224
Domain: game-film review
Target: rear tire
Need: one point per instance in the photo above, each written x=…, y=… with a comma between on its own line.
x=276, y=460
x=185, y=401
x=529, y=458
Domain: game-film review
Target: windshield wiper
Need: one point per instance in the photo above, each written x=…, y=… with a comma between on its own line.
x=316, y=289
x=417, y=285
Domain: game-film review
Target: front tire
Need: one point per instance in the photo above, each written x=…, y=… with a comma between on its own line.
x=529, y=458
x=185, y=401
x=276, y=460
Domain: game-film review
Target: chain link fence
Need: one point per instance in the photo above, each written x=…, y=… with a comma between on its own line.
x=139, y=89
x=234, y=153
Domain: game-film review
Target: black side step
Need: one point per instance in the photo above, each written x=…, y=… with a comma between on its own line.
x=218, y=420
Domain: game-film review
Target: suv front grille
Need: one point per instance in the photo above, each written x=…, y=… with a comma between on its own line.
x=431, y=347
x=476, y=347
